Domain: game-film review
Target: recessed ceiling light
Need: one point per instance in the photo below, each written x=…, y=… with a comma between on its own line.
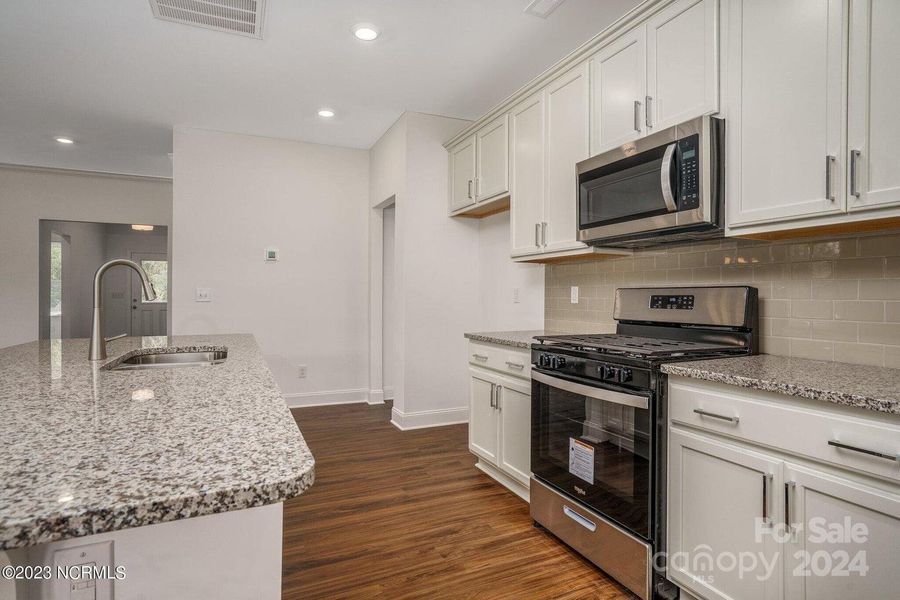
x=142, y=227
x=65, y=140
x=365, y=32
x=326, y=112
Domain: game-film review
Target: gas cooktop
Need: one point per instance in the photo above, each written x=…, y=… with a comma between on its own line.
x=633, y=345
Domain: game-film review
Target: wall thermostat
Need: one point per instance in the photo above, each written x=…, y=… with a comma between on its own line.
x=271, y=254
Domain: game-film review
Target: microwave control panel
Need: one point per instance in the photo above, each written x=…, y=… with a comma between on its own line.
x=689, y=172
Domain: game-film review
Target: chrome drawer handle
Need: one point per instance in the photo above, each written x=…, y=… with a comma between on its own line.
x=704, y=413
x=514, y=365
x=837, y=444
x=583, y=521
x=479, y=357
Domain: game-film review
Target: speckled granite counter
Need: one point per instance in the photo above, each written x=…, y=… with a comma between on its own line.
x=87, y=450
x=871, y=388
x=516, y=339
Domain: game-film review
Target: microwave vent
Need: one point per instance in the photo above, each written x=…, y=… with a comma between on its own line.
x=242, y=17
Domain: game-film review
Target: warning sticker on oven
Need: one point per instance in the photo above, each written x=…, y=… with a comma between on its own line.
x=581, y=460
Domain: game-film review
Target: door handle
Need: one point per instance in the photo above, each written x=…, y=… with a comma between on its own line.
x=829, y=192
x=499, y=392
x=514, y=365
x=767, y=483
x=704, y=413
x=583, y=521
x=665, y=177
x=537, y=235
x=789, y=489
x=493, y=389
x=480, y=357
x=838, y=444
x=854, y=174
x=469, y=191
x=544, y=234
x=647, y=117
x=637, y=116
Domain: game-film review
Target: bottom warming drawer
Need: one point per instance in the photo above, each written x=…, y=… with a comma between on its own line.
x=623, y=556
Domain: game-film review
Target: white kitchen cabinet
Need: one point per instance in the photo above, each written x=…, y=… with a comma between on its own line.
x=718, y=496
x=619, y=88
x=567, y=105
x=874, y=125
x=816, y=499
x=786, y=150
x=462, y=174
x=483, y=418
x=492, y=158
x=526, y=143
x=500, y=413
x=682, y=63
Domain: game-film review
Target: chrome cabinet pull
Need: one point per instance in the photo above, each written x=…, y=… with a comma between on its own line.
x=767, y=482
x=537, y=235
x=637, y=116
x=493, y=390
x=583, y=521
x=789, y=489
x=829, y=192
x=704, y=413
x=499, y=391
x=469, y=183
x=479, y=357
x=838, y=444
x=544, y=234
x=514, y=365
x=647, y=117
x=854, y=166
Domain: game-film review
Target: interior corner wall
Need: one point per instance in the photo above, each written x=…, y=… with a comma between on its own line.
x=28, y=195
x=237, y=195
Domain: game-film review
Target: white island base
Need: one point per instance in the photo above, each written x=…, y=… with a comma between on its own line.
x=228, y=556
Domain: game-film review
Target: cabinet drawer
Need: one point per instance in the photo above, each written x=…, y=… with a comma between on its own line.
x=506, y=359
x=771, y=420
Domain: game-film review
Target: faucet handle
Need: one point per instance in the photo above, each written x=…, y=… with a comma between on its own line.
x=115, y=337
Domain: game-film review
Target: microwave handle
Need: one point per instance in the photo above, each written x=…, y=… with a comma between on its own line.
x=665, y=177
x=592, y=392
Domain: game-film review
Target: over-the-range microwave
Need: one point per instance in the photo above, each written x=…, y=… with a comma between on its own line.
x=665, y=187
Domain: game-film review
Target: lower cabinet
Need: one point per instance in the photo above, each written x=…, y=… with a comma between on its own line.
x=500, y=426
x=748, y=521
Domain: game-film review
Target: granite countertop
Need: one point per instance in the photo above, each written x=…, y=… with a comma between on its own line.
x=516, y=339
x=87, y=450
x=871, y=388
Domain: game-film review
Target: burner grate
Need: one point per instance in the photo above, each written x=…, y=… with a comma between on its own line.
x=617, y=343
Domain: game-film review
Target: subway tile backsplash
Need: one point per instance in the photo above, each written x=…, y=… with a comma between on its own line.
x=826, y=299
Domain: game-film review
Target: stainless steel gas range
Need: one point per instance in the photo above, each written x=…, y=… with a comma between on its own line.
x=598, y=448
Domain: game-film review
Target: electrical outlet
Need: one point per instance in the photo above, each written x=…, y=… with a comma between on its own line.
x=301, y=371
x=515, y=295
x=574, y=297
x=203, y=295
x=88, y=557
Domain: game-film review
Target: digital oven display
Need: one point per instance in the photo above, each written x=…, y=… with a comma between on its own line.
x=672, y=302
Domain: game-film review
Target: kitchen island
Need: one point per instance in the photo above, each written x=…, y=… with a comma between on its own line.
x=90, y=452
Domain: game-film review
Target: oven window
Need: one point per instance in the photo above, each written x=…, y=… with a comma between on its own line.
x=596, y=451
x=627, y=189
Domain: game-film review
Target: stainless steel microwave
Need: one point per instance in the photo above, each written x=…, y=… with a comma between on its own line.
x=665, y=187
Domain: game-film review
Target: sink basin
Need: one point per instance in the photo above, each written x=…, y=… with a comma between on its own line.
x=172, y=359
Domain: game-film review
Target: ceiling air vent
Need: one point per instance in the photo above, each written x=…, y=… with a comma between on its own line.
x=243, y=17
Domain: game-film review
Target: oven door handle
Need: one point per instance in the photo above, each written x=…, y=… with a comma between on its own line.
x=665, y=177
x=592, y=392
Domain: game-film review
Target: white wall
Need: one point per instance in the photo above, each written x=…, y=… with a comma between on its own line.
x=29, y=195
x=389, y=302
x=499, y=276
x=236, y=195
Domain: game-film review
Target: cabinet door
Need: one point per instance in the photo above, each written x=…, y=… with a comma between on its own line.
x=786, y=136
x=492, y=174
x=483, y=420
x=514, y=407
x=568, y=100
x=526, y=143
x=874, y=122
x=862, y=562
x=618, y=88
x=718, y=497
x=682, y=63
x=462, y=174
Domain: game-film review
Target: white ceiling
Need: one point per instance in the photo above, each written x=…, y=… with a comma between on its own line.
x=108, y=74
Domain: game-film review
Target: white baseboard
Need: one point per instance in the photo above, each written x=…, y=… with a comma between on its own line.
x=376, y=397
x=429, y=418
x=388, y=392
x=299, y=399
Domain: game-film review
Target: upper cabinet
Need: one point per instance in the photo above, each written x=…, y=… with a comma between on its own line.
x=479, y=167
x=811, y=129
x=874, y=127
x=462, y=174
x=657, y=75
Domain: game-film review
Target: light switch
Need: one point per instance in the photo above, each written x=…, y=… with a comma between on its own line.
x=515, y=295
x=203, y=295
x=574, y=298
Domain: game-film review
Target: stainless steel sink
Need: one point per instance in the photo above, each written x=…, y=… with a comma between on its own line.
x=172, y=359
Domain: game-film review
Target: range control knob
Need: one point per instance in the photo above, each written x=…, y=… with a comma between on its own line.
x=625, y=375
x=557, y=362
x=543, y=360
x=611, y=373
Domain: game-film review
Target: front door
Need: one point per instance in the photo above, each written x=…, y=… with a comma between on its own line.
x=149, y=318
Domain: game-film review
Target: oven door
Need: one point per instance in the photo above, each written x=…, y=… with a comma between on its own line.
x=594, y=444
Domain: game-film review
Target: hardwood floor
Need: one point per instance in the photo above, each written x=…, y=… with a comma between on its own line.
x=405, y=514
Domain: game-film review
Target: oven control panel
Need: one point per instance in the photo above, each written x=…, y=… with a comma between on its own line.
x=591, y=369
x=684, y=302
